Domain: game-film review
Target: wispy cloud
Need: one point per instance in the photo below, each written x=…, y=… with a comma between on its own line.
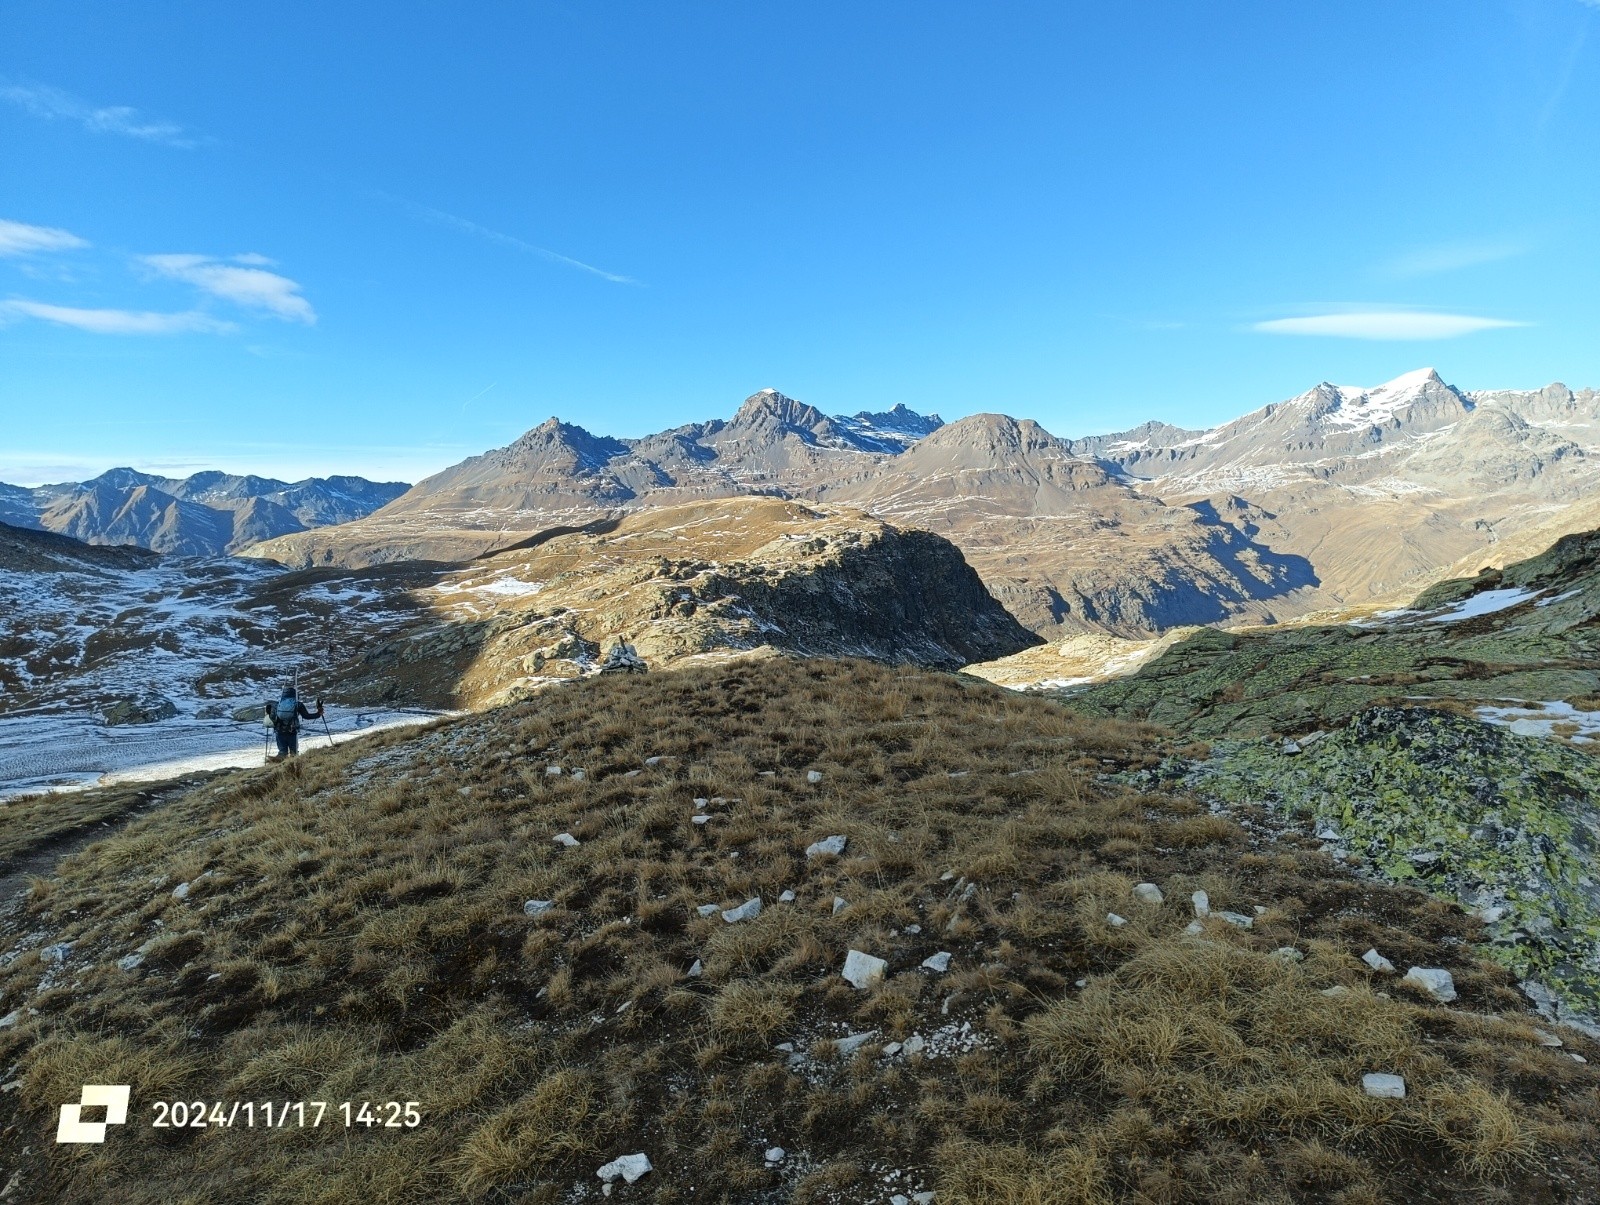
x=439, y=217
x=239, y=281
x=53, y=104
x=1452, y=257
x=117, y=322
x=18, y=238
x=1385, y=325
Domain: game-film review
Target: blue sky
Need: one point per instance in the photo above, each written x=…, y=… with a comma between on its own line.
x=301, y=237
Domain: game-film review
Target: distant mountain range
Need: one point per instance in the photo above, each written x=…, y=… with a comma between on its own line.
x=206, y=514
x=1342, y=495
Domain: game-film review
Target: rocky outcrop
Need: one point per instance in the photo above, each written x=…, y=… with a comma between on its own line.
x=706, y=579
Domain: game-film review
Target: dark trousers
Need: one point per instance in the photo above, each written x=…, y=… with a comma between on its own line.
x=288, y=741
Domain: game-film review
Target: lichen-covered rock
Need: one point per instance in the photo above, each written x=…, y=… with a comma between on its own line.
x=1506, y=825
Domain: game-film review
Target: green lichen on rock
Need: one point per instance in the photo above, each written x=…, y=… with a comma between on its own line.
x=1508, y=826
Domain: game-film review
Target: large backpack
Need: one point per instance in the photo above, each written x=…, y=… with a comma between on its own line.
x=286, y=716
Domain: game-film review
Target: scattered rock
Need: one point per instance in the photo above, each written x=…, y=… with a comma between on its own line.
x=748, y=910
x=1115, y=921
x=696, y=970
x=702, y=802
x=938, y=963
x=57, y=952
x=775, y=1154
x=1546, y=1038
x=1238, y=919
x=11, y=1018
x=913, y=929
x=566, y=839
x=850, y=1043
x=1195, y=927
x=1335, y=991
x=828, y=845
x=701, y=819
x=1435, y=981
x=146, y=709
x=1202, y=904
x=579, y=775
x=1287, y=954
x=1149, y=893
x=839, y=904
x=915, y=1044
x=629, y=1167
x=552, y=771
x=130, y=962
x=538, y=907
x=654, y=761
x=709, y=909
x=786, y=898
x=1390, y=1087
x=862, y=971
x=181, y=891
x=1378, y=962
x=892, y=1049
x=1291, y=747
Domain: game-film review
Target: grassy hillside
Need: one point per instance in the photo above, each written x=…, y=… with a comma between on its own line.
x=1529, y=632
x=356, y=927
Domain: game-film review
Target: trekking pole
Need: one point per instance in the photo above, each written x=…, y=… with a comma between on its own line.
x=325, y=727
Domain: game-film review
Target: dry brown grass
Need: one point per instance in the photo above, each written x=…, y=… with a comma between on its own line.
x=354, y=930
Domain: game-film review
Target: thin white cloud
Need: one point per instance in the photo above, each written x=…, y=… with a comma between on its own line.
x=19, y=238
x=1452, y=257
x=239, y=282
x=442, y=218
x=1384, y=325
x=118, y=322
x=53, y=104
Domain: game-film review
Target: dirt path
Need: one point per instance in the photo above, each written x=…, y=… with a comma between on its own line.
x=42, y=858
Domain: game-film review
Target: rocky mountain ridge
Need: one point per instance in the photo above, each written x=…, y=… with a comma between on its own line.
x=205, y=514
x=1341, y=496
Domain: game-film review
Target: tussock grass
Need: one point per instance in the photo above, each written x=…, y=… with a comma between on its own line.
x=354, y=930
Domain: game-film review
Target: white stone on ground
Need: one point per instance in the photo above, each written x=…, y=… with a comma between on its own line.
x=1435, y=981
x=813, y=776
x=1149, y=893
x=913, y=929
x=130, y=962
x=748, y=910
x=1546, y=1038
x=1336, y=991
x=839, y=904
x=654, y=761
x=775, y=1154
x=1194, y=928
x=786, y=898
x=913, y=1045
x=1378, y=962
x=938, y=963
x=11, y=1018
x=1238, y=918
x=701, y=819
x=709, y=909
x=1202, y=904
x=892, y=1049
x=863, y=970
x=701, y=801
x=181, y=891
x=538, y=907
x=552, y=771
x=566, y=839
x=629, y=1167
x=1390, y=1087
x=828, y=845
x=695, y=971
x=851, y=1043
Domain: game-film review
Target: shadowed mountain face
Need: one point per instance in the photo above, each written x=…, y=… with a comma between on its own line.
x=1340, y=496
x=206, y=514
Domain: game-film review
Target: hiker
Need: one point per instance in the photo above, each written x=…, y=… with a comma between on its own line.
x=285, y=716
